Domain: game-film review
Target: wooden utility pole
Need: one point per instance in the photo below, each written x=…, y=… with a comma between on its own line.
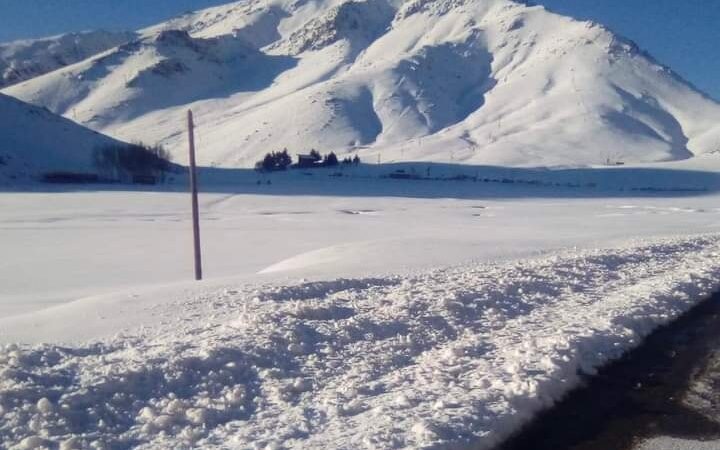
x=194, y=194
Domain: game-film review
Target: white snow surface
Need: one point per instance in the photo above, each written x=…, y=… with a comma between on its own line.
x=343, y=309
x=446, y=358
x=33, y=141
x=678, y=444
x=88, y=243
x=29, y=58
x=473, y=81
x=339, y=312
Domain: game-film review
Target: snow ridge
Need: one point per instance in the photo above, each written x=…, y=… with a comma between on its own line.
x=358, y=22
x=26, y=59
x=448, y=358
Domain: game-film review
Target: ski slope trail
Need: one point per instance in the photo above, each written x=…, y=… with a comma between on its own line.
x=457, y=357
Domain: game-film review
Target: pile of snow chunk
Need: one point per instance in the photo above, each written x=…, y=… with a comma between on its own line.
x=453, y=357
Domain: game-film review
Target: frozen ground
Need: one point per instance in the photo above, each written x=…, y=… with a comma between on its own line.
x=436, y=359
x=353, y=314
x=88, y=243
x=348, y=311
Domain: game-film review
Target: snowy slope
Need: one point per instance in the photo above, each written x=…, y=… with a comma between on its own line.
x=22, y=60
x=34, y=140
x=477, y=81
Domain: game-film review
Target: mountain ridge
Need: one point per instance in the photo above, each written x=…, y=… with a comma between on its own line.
x=28, y=58
x=477, y=81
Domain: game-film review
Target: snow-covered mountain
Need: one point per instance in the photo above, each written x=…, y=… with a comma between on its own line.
x=22, y=60
x=34, y=140
x=477, y=81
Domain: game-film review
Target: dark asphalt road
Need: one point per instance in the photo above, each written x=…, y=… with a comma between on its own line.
x=642, y=395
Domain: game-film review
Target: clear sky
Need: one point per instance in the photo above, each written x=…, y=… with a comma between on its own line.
x=683, y=34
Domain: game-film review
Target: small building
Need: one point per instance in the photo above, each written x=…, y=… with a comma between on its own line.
x=307, y=161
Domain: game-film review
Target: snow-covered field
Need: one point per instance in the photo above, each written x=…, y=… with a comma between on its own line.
x=437, y=359
x=343, y=309
x=354, y=314
x=88, y=243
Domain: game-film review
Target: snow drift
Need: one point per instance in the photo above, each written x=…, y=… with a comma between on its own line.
x=476, y=81
x=450, y=358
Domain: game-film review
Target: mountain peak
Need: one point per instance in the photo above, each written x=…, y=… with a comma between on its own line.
x=173, y=37
x=479, y=81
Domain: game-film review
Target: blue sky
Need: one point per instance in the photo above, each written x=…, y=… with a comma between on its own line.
x=683, y=34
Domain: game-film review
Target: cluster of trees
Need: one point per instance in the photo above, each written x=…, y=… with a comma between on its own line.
x=349, y=160
x=133, y=161
x=331, y=159
x=275, y=161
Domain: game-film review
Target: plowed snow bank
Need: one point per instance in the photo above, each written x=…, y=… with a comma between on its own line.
x=451, y=357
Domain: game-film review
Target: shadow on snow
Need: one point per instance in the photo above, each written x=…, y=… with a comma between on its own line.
x=428, y=180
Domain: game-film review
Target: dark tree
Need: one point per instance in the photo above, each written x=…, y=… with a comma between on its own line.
x=330, y=160
x=275, y=161
x=132, y=160
x=268, y=162
x=315, y=154
x=284, y=159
